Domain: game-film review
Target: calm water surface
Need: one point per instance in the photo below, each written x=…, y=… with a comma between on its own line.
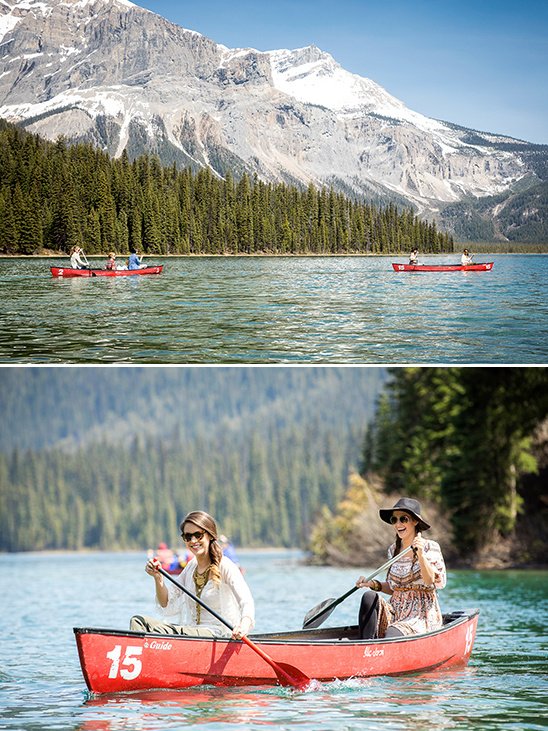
x=277, y=310
x=505, y=686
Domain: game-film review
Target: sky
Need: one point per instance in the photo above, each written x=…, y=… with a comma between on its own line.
x=482, y=64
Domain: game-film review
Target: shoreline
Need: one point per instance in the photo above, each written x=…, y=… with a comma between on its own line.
x=264, y=255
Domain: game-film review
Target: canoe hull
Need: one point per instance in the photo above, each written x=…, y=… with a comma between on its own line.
x=116, y=661
x=68, y=272
x=479, y=267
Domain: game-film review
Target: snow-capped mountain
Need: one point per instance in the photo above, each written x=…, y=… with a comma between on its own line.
x=110, y=72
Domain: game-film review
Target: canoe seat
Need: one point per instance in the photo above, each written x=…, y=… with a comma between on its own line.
x=453, y=616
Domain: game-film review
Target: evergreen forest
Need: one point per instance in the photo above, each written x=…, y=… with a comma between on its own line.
x=56, y=195
x=101, y=458
x=474, y=441
x=114, y=458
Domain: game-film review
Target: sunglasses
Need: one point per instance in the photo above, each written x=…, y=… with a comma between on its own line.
x=189, y=536
x=402, y=518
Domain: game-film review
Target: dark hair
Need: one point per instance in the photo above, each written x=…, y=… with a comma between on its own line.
x=397, y=548
x=204, y=521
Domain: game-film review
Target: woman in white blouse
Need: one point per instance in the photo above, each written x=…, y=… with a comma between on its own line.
x=466, y=259
x=212, y=577
x=76, y=261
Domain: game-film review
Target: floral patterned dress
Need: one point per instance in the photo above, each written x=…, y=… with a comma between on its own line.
x=413, y=607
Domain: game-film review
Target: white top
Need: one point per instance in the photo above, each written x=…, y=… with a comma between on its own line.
x=76, y=261
x=231, y=599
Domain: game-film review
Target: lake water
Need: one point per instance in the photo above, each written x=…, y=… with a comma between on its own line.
x=277, y=310
x=505, y=685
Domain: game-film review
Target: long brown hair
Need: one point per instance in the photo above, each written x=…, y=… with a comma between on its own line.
x=204, y=521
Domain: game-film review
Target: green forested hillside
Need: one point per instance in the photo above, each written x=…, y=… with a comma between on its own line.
x=74, y=406
x=517, y=219
x=53, y=196
x=474, y=441
x=114, y=457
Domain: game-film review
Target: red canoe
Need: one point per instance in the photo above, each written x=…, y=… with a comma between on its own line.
x=479, y=267
x=119, y=661
x=68, y=272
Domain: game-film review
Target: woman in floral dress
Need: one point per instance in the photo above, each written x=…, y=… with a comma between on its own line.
x=411, y=582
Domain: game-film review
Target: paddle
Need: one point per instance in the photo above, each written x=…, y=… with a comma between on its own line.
x=91, y=273
x=321, y=612
x=287, y=674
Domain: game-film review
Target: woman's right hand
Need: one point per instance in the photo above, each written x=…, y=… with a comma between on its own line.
x=152, y=567
x=361, y=583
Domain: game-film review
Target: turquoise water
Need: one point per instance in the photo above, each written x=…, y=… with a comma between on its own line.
x=277, y=310
x=43, y=596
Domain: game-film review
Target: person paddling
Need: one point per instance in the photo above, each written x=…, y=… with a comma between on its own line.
x=414, y=257
x=209, y=575
x=466, y=259
x=111, y=261
x=411, y=582
x=135, y=260
x=76, y=262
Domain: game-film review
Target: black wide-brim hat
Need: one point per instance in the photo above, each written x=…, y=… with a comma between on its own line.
x=407, y=505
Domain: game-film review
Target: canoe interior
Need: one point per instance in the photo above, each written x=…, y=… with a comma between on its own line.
x=322, y=634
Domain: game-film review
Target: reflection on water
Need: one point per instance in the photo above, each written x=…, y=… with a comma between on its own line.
x=277, y=310
x=463, y=698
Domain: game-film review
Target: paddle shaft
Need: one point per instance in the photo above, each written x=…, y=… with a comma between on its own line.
x=91, y=274
x=279, y=670
x=329, y=608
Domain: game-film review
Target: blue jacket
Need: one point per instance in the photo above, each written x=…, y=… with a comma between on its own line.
x=134, y=262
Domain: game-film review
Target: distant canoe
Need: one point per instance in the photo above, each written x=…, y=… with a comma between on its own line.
x=68, y=272
x=116, y=661
x=479, y=267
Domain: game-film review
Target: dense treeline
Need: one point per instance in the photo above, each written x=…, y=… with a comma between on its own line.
x=505, y=247
x=517, y=220
x=73, y=407
x=115, y=457
x=263, y=491
x=468, y=439
x=53, y=196
x=268, y=452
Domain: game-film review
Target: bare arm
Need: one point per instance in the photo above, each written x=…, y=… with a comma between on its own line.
x=161, y=590
x=427, y=570
x=374, y=584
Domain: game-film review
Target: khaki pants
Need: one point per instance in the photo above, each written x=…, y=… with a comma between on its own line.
x=140, y=623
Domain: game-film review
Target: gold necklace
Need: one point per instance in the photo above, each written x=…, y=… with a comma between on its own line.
x=200, y=580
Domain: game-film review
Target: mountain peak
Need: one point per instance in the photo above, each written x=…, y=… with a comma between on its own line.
x=114, y=74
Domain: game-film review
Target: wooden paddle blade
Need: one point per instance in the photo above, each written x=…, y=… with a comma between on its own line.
x=296, y=679
x=287, y=677
x=316, y=616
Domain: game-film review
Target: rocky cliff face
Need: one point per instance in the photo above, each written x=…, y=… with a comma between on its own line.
x=120, y=76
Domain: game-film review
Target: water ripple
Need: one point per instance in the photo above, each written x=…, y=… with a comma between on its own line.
x=277, y=310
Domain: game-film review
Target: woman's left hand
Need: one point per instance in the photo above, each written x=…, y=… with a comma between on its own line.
x=418, y=544
x=241, y=629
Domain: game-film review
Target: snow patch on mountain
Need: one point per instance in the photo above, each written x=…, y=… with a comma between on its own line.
x=110, y=101
x=314, y=77
x=230, y=54
x=7, y=24
x=12, y=13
